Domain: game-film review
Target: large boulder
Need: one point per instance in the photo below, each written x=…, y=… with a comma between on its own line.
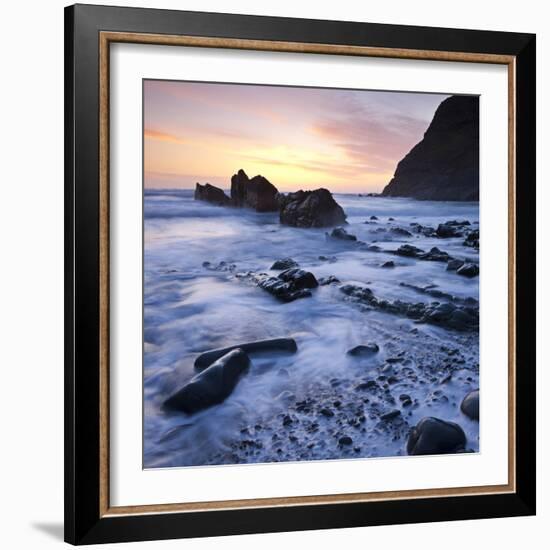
x=205, y=359
x=310, y=209
x=257, y=193
x=212, y=386
x=470, y=405
x=433, y=436
x=211, y=193
x=445, y=164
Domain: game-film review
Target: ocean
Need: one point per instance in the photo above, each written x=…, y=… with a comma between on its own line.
x=191, y=307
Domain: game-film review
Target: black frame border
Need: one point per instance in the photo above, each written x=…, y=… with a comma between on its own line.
x=83, y=523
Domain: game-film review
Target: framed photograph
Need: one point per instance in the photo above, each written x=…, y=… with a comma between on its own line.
x=300, y=274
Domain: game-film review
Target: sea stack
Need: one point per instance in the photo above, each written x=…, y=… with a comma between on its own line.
x=211, y=193
x=445, y=164
x=258, y=192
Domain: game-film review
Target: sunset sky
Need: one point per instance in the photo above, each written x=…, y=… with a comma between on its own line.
x=298, y=138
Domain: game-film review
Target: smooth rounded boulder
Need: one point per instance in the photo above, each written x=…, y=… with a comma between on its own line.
x=205, y=359
x=212, y=386
x=364, y=350
x=470, y=405
x=433, y=436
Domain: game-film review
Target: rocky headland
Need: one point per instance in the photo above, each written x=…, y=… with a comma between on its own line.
x=445, y=164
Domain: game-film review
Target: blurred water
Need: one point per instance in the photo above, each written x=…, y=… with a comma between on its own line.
x=189, y=309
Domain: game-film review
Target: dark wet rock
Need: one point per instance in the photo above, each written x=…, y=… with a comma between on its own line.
x=435, y=255
x=404, y=397
x=310, y=209
x=367, y=385
x=373, y=218
x=374, y=248
x=425, y=230
x=345, y=440
x=401, y=232
x=409, y=251
x=447, y=315
x=283, y=291
x=341, y=234
x=444, y=165
x=284, y=263
x=389, y=263
x=468, y=270
x=326, y=412
x=364, y=350
x=391, y=219
x=292, y=284
x=211, y=193
x=260, y=346
x=446, y=231
x=330, y=259
x=391, y=415
x=470, y=405
x=433, y=436
x=472, y=239
x=298, y=278
x=220, y=266
x=287, y=420
x=454, y=264
x=257, y=193
x=441, y=295
x=331, y=279
x=212, y=386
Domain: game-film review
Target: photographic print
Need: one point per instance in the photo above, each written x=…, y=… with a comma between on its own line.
x=311, y=273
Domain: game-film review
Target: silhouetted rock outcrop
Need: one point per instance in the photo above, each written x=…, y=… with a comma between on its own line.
x=445, y=164
x=211, y=193
x=310, y=209
x=257, y=193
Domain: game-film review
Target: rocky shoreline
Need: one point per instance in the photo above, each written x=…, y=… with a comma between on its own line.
x=410, y=390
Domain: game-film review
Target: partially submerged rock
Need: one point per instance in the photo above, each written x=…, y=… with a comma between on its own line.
x=454, y=264
x=299, y=278
x=292, y=284
x=284, y=263
x=364, y=350
x=283, y=291
x=468, y=270
x=341, y=234
x=212, y=386
x=433, y=255
x=401, y=232
x=472, y=239
x=433, y=436
x=310, y=209
x=211, y=193
x=205, y=359
x=409, y=251
x=470, y=405
x=448, y=315
x=331, y=279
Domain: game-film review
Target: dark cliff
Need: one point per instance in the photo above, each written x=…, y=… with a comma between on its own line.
x=445, y=164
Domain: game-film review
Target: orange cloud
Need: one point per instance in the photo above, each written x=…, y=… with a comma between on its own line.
x=162, y=136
